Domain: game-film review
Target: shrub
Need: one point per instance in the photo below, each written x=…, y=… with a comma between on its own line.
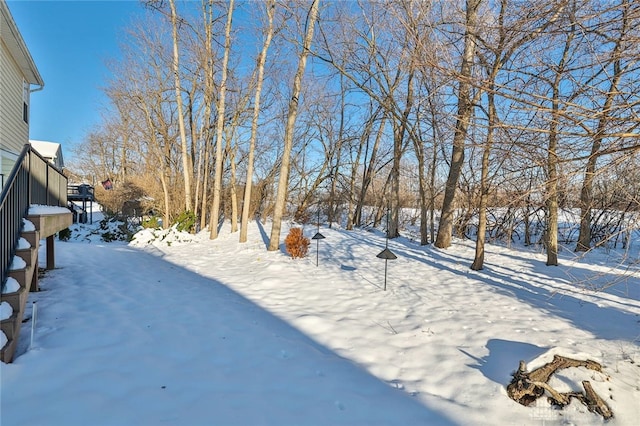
x=64, y=235
x=114, y=230
x=152, y=222
x=186, y=222
x=296, y=243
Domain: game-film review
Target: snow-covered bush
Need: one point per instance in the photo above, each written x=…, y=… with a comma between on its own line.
x=114, y=230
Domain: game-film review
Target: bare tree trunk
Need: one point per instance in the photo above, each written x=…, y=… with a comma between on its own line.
x=205, y=182
x=584, y=238
x=552, y=195
x=195, y=174
x=283, y=182
x=217, y=181
x=432, y=171
x=246, y=205
x=178, y=89
x=364, y=137
x=209, y=86
x=552, y=156
x=232, y=188
x=369, y=173
x=167, y=201
x=394, y=183
x=335, y=175
x=465, y=111
x=478, y=261
x=338, y=150
x=398, y=149
x=422, y=193
x=353, y=180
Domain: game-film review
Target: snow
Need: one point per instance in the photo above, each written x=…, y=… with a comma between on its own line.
x=178, y=329
x=12, y=285
x=3, y=339
x=17, y=263
x=38, y=209
x=49, y=150
x=28, y=226
x=23, y=244
x=5, y=312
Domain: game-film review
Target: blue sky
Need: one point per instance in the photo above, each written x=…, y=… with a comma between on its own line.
x=70, y=42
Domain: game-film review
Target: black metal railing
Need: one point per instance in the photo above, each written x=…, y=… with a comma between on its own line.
x=82, y=192
x=33, y=180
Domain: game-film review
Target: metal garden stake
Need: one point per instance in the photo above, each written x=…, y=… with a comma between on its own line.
x=318, y=237
x=386, y=254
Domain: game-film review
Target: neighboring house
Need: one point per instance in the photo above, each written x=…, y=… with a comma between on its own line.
x=50, y=151
x=18, y=73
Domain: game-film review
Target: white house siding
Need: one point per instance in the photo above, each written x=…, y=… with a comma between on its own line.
x=7, y=160
x=14, y=132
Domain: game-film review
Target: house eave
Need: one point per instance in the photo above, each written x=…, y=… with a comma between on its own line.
x=11, y=38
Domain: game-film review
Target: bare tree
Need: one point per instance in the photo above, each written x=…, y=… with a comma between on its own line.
x=616, y=61
x=208, y=95
x=186, y=162
x=356, y=198
x=508, y=41
x=246, y=206
x=369, y=171
x=465, y=112
x=217, y=182
x=283, y=182
x=552, y=149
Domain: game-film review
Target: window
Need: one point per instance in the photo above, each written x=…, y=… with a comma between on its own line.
x=25, y=101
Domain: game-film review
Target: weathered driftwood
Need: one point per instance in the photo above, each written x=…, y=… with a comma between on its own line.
x=595, y=403
x=526, y=387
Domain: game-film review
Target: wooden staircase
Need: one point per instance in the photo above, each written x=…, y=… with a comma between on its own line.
x=38, y=188
x=27, y=277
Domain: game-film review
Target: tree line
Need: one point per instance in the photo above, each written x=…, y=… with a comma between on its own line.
x=455, y=108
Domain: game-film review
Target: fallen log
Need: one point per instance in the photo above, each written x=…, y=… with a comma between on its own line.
x=526, y=387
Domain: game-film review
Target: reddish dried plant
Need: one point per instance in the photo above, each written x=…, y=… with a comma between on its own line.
x=296, y=243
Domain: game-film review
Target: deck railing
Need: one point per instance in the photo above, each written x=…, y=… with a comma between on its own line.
x=33, y=180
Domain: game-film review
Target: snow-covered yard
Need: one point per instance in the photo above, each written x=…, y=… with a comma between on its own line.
x=186, y=331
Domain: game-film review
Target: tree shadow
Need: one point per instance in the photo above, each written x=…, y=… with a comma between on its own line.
x=542, y=291
x=503, y=359
x=263, y=233
x=618, y=319
x=244, y=342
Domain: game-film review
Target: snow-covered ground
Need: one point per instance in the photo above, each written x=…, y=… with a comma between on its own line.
x=181, y=330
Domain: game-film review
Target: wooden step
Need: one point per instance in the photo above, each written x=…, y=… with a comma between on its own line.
x=17, y=299
x=33, y=237
x=10, y=326
x=21, y=275
x=25, y=276
x=29, y=255
x=8, y=351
